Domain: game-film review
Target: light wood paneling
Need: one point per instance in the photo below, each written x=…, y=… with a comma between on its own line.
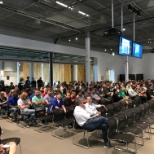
x=37, y=70
x=25, y=70
x=58, y=72
x=81, y=73
x=91, y=73
x=46, y=72
x=67, y=73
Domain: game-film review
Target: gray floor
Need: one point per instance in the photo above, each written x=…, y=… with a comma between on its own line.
x=33, y=142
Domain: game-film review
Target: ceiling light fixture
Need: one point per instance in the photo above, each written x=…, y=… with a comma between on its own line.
x=123, y=29
x=111, y=49
x=62, y=4
x=69, y=40
x=113, y=53
x=1, y=2
x=105, y=50
x=84, y=14
x=76, y=38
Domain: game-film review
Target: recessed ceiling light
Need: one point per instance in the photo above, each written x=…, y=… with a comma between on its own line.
x=124, y=29
x=111, y=49
x=105, y=50
x=69, y=40
x=76, y=38
x=1, y=2
x=113, y=53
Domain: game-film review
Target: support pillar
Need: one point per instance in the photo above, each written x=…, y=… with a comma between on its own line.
x=31, y=70
x=87, y=46
x=75, y=73
x=18, y=72
x=51, y=69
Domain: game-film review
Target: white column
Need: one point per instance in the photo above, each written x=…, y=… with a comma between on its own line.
x=75, y=73
x=95, y=69
x=87, y=45
x=18, y=72
x=31, y=70
x=42, y=71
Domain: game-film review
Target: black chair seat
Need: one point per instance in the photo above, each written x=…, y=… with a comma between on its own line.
x=133, y=130
x=141, y=125
x=46, y=117
x=123, y=137
x=66, y=122
x=7, y=140
x=149, y=121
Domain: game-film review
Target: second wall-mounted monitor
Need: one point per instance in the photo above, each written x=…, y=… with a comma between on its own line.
x=137, y=50
x=125, y=46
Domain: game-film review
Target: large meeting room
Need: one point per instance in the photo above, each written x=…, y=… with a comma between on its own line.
x=76, y=76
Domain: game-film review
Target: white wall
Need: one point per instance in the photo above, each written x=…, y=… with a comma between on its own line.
x=104, y=60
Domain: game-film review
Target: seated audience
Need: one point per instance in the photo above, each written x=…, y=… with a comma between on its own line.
x=37, y=100
x=49, y=96
x=3, y=101
x=150, y=92
x=24, y=105
x=13, y=106
x=89, y=121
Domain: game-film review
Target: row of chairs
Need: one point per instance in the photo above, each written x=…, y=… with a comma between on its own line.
x=126, y=126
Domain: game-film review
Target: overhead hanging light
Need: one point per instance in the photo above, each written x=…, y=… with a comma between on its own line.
x=1, y=2
x=84, y=14
x=62, y=4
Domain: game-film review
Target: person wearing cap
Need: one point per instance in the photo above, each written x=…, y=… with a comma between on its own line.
x=89, y=121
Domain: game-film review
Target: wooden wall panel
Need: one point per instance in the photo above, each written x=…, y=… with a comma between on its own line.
x=58, y=72
x=81, y=73
x=91, y=73
x=67, y=72
x=46, y=72
x=25, y=70
x=37, y=70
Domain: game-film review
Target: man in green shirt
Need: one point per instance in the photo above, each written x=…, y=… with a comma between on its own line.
x=37, y=100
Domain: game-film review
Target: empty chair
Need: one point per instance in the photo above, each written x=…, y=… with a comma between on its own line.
x=115, y=136
x=110, y=110
x=125, y=128
x=117, y=107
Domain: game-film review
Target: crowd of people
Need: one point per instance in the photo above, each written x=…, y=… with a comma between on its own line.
x=76, y=98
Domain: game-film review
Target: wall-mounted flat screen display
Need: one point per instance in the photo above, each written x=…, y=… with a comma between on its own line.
x=125, y=46
x=137, y=50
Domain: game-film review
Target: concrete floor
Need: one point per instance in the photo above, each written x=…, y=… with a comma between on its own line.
x=33, y=142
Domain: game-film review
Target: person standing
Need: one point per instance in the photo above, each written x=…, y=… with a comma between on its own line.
x=39, y=83
x=33, y=83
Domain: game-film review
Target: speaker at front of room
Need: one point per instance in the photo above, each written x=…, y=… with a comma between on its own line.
x=139, y=77
x=122, y=77
x=131, y=76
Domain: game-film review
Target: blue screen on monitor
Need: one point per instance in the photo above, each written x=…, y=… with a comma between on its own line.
x=137, y=50
x=125, y=47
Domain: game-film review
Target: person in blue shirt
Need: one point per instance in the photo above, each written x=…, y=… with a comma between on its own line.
x=57, y=104
x=13, y=106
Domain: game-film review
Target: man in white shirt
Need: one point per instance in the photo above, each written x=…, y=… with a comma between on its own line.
x=92, y=108
x=88, y=121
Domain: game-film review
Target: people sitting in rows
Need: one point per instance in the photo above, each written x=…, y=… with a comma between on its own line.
x=44, y=92
x=24, y=105
x=150, y=92
x=3, y=102
x=13, y=106
x=118, y=98
x=57, y=103
x=89, y=121
x=49, y=96
x=91, y=107
x=37, y=100
x=73, y=97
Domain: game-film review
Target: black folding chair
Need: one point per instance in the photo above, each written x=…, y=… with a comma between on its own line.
x=117, y=107
x=110, y=110
x=114, y=135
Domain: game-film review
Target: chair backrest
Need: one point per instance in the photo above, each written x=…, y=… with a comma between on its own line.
x=129, y=116
x=147, y=106
x=110, y=109
x=143, y=110
x=137, y=100
x=40, y=111
x=112, y=127
x=117, y=107
x=151, y=103
x=121, y=121
x=137, y=113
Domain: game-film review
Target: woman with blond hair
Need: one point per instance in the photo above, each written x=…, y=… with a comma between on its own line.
x=24, y=105
x=3, y=101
